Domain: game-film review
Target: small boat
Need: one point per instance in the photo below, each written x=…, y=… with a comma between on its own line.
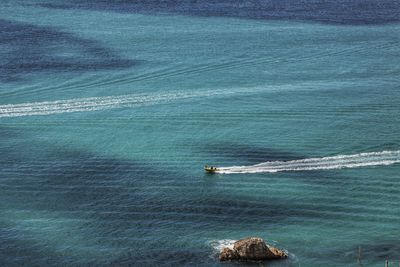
x=210, y=169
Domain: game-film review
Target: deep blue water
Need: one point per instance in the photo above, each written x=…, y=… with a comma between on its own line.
x=110, y=109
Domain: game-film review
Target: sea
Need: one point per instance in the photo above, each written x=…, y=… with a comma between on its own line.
x=109, y=110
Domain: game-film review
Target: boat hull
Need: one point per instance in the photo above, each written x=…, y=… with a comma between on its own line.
x=210, y=169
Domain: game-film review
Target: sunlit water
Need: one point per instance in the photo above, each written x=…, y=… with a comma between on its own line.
x=110, y=109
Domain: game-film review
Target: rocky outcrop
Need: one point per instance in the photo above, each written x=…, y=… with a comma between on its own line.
x=252, y=248
x=228, y=254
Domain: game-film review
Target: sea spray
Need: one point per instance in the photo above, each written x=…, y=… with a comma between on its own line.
x=219, y=245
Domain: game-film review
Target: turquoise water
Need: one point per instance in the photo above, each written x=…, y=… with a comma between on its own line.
x=107, y=116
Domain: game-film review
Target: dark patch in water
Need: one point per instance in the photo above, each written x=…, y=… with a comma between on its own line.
x=27, y=49
x=346, y=12
x=15, y=251
x=70, y=184
x=56, y=5
x=125, y=191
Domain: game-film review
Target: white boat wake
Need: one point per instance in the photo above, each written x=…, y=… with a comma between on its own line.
x=110, y=102
x=324, y=163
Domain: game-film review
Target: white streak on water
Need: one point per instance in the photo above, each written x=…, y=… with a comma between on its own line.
x=219, y=245
x=324, y=163
x=109, y=102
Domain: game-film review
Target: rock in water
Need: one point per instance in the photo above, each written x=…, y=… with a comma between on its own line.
x=278, y=253
x=252, y=248
x=228, y=254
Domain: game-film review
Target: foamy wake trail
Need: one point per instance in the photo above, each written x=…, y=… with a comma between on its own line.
x=324, y=163
x=107, y=102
